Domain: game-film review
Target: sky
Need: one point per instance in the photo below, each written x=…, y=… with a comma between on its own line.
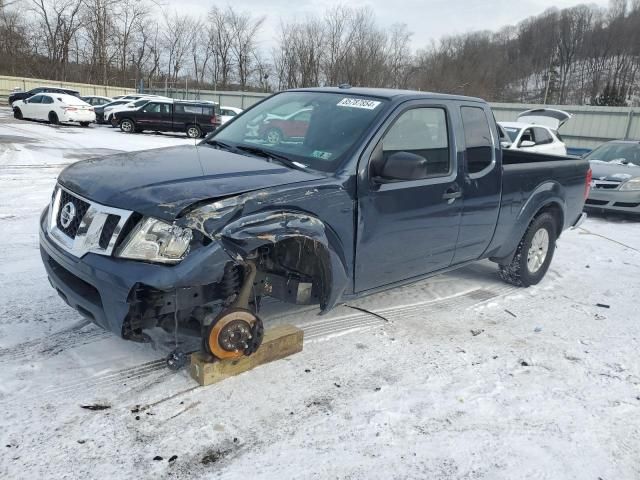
x=427, y=19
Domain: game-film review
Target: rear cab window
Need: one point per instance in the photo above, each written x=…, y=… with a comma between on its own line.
x=478, y=140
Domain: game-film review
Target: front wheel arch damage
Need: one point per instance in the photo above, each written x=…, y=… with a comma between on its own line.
x=307, y=246
x=296, y=263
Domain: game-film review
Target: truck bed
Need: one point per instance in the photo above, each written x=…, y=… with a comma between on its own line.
x=527, y=178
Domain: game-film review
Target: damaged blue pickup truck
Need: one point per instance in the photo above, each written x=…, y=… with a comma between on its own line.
x=312, y=196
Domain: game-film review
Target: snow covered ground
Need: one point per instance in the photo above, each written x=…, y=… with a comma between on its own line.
x=462, y=377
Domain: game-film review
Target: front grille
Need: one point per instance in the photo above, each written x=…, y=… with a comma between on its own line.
x=108, y=228
x=591, y=201
x=81, y=208
x=93, y=227
x=626, y=204
x=607, y=185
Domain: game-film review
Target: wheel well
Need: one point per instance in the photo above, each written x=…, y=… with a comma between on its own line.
x=299, y=258
x=556, y=212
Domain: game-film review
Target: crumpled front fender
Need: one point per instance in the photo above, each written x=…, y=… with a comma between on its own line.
x=251, y=232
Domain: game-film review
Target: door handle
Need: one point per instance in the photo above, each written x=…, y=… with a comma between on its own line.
x=451, y=194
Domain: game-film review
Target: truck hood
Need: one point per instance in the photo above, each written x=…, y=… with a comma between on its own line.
x=614, y=171
x=163, y=182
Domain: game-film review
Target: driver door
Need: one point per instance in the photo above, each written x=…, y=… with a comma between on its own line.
x=408, y=227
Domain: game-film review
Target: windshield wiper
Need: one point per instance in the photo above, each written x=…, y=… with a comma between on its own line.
x=219, y=144
x=283, y=159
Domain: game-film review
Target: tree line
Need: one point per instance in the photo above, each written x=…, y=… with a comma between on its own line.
x=579, y=55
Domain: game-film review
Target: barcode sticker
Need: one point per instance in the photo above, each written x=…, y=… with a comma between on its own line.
x=358, y=103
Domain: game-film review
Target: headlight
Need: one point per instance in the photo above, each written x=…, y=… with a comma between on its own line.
x=156, y=241
x=633, y=184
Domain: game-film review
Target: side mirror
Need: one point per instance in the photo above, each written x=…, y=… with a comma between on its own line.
x=404, y=166
x=505, y=144
x=527, y=143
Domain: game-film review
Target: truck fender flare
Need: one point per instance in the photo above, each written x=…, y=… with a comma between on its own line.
x=246, y=234
x=547, y=196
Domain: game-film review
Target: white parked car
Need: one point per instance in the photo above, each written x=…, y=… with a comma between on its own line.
x=55, y=108
x=537, y=131
x=227, y=113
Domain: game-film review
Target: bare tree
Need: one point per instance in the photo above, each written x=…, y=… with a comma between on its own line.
x=59, y=21
x=244, y=28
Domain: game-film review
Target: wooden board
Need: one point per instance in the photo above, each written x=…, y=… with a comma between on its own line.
x=279, y=342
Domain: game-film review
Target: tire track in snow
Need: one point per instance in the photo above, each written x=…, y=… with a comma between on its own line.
x=54, y=344
x=317, y=330
x=109, y=378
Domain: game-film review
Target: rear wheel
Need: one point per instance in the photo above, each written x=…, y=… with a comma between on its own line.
x=17, y=113
x=534, y=253
x=127, y=126
x=193, y=131
x=53, y=118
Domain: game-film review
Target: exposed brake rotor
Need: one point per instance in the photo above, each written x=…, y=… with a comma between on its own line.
x=233, y=333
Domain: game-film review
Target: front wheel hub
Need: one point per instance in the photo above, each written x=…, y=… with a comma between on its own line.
x=233, y=333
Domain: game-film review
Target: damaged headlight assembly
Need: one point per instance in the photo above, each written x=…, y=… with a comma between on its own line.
x=154, y=240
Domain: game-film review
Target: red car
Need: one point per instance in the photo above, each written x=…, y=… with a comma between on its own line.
x=276, y=129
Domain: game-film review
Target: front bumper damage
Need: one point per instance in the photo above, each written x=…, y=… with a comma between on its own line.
x=117, y=293
x=127, y=296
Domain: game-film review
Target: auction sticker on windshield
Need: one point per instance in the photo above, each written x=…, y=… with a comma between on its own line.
x=358, y=103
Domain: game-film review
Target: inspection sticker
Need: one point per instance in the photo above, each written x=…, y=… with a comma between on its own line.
x=358, y=103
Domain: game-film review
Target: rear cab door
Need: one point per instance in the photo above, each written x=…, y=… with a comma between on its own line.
x=480, y=179
x=408, y=227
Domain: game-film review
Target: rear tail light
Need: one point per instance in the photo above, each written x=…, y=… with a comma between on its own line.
x=214, y=120
x=587, y=187
x=70, y=109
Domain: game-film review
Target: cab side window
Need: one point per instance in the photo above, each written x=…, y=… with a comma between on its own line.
x=35, y=99
x=47, y=99
x=420, y=137
x=155, y=108
x=542, y=136
x=477, y=138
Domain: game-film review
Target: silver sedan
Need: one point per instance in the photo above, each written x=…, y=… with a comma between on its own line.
x=616, y=177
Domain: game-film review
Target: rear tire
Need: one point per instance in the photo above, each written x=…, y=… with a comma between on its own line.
x=53, y=118
x=534, y=253
x=193, y=131
x=127, y=126
x=17, y=113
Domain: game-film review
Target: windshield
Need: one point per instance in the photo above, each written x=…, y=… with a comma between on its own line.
x=139, y=103
x=512, y=132
x=313, y=129
x=620, y=153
